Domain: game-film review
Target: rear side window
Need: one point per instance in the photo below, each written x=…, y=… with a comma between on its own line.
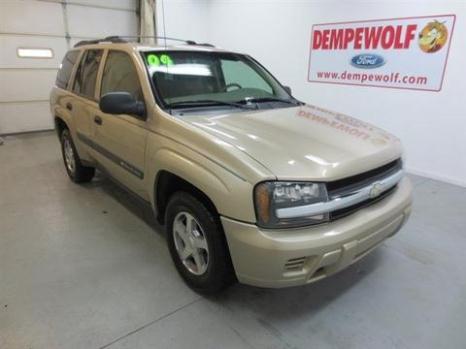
x=66, y=67
x=120, y=75
x=86, y=75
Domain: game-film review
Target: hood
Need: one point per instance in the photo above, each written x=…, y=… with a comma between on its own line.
x=304, y=143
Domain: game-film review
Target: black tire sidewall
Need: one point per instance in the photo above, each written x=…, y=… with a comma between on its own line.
x=66, y=135
x=81, y=173
x=218, y=271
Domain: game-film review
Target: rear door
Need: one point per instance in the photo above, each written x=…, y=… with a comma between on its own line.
x=121, y=139
x=61, y=97
x=84, y=105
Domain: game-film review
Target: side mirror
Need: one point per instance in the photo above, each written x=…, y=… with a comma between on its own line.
x=121, y=103
x=287, y=89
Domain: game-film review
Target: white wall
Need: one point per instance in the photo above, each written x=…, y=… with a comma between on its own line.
x=432, y=126
x=184, y=19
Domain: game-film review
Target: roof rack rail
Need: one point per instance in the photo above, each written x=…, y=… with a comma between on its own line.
x=203, y=44
x=113, y=39
x=121, y=39
x=188, y=42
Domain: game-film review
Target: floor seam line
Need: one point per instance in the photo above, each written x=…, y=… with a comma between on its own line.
x=422, y=182
x=150, y=323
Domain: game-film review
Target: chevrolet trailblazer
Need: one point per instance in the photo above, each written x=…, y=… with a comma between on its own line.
x=250, y=183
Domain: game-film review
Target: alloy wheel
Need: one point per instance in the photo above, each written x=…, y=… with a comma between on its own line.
x=69, y=155
x=190, y=243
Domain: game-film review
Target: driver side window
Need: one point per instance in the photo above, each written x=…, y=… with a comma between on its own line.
x=120, y=75
x=238, y=73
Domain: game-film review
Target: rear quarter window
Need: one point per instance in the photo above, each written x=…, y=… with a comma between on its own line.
x=66, y=67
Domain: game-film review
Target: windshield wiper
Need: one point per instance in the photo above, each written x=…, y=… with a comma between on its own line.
x=269, y=99
x=207, y=102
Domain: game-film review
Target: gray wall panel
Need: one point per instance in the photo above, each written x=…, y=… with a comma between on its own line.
x=26, y=82
x=23, y=117
x=10, y=43
x=26, y=85
x=98, y=22
x=31, y=17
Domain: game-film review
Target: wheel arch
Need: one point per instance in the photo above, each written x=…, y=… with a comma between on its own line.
x=60, y=124
x=167, y=183
x=63, y=122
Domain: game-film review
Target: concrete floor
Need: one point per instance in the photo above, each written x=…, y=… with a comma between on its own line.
x=85, y=267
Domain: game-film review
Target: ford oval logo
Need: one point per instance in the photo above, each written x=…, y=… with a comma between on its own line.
x=367, y=61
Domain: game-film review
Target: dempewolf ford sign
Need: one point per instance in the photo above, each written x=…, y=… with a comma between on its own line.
x=408, y=53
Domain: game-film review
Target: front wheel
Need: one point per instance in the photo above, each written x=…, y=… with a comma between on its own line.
x=76, y=171
x=197, y=244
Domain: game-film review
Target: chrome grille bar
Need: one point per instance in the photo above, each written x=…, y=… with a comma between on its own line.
x=371, y=191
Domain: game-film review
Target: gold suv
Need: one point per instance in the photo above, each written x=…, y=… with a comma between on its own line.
x=250, y=183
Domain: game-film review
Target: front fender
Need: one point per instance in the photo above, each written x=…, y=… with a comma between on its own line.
x=231, y=194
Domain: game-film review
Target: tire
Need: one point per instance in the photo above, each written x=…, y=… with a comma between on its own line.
x=76, y=171
x=216, y=271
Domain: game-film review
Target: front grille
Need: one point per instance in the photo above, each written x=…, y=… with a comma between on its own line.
x=348, y=210
x=348, y=185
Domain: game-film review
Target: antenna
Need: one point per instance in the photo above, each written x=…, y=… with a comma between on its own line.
x=165, y=35
x=164, y=29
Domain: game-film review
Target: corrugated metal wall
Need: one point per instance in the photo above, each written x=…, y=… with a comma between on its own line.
x=51, y=24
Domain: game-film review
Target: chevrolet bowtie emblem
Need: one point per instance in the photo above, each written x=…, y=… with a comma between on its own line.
x=376, y=190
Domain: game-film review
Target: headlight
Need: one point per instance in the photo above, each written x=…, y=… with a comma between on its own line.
x=278, y=203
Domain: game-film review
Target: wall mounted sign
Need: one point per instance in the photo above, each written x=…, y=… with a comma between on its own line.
x=406, y=53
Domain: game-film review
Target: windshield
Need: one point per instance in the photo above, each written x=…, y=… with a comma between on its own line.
x=186, y=79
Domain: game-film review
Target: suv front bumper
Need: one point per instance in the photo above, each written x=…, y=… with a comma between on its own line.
x=290, y=257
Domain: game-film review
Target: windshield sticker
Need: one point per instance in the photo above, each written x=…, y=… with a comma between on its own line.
x=166, y=59
x=153, y=60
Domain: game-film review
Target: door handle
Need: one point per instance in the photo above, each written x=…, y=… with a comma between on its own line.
x=69, y=106
x=98, y=120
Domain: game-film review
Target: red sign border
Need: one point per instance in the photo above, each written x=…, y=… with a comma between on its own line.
x=381, y=20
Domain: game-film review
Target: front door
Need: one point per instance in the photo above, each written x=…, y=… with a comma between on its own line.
x=120, y=140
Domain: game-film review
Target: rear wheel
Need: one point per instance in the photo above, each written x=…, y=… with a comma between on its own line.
x=197, y=244
x=76, y=171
